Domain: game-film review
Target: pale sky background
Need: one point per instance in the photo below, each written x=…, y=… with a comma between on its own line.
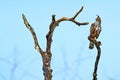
x=71, y=59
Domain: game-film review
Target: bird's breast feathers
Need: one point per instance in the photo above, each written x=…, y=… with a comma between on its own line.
x=97, y=26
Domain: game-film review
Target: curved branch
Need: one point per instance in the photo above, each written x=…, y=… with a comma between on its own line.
x=72, y=19
x=36, y=44
x=55, y=23
x=97, y=44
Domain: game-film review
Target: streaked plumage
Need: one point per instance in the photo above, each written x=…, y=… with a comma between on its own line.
x=95, y=30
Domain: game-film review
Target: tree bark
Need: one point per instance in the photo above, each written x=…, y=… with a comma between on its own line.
x=97, y=44
x=47, y=55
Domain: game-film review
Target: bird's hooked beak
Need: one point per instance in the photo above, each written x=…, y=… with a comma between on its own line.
x=97, y=15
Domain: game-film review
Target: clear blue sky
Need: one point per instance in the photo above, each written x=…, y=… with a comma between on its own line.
x=72, y=59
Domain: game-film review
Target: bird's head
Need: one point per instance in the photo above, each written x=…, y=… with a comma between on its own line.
x=98, y=18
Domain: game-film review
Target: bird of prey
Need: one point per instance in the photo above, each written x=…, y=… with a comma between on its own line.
x=95, y=30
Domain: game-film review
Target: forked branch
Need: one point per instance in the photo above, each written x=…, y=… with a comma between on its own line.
x=46, y=55
x=56, y=23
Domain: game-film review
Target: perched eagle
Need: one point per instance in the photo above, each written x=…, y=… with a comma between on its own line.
x=95, y=30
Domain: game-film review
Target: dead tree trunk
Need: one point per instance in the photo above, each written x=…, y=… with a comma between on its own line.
x=46, y=55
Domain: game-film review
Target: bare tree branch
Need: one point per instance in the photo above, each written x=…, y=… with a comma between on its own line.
x=72, y=19
x=55, y=23
x=77, y=13
x=33, y=34
x=97, y=44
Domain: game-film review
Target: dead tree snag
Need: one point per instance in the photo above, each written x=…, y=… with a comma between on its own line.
x=46, y=55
